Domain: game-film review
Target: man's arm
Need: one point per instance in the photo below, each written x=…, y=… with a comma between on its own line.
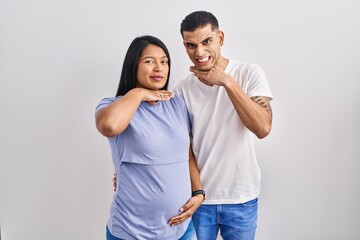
x=255, y=112
x=194, y=172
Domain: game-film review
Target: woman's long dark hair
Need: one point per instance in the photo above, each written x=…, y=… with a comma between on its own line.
x=128, y=78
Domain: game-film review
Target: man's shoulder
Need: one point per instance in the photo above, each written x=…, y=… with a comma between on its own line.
x=241, y=68
x=182, y=82
x=234, y=63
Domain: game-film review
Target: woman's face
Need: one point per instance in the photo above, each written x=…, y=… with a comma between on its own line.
x=153, y=68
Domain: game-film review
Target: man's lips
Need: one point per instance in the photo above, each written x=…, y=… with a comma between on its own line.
x=203, y=60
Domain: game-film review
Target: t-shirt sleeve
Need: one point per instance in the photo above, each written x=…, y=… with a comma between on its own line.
x=258, y=83
x=104, y=103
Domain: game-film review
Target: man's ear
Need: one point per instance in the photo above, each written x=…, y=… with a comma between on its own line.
x=221, y=38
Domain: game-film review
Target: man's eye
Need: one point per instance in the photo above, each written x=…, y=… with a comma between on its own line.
x=207, y=41
x=190, y=45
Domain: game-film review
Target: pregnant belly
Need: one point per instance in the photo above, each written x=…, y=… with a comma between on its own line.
x=149, y=195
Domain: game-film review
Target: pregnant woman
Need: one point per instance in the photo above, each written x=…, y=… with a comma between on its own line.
x=148, y=130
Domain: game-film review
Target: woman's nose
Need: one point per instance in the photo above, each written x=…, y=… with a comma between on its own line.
x=158, y=67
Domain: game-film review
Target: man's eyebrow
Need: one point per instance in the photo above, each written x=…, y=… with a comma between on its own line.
x=189, y=42
x=206, y=39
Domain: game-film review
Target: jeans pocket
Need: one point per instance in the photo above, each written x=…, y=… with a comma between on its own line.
x=251, y=203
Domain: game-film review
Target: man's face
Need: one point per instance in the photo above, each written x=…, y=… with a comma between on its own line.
x=203, y=46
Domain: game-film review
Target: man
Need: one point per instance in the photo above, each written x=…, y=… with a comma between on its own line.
x=228, y=103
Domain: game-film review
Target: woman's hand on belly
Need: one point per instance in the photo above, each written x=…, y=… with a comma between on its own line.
x=187, y=210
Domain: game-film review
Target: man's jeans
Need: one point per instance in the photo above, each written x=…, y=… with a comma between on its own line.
x=235, y=221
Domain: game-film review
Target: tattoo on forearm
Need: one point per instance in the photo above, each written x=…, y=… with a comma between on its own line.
x=263, y=102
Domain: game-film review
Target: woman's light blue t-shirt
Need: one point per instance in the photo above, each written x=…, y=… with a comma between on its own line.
x=152, y=170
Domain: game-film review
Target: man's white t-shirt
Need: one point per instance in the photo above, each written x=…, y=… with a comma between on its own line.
x=223, y=146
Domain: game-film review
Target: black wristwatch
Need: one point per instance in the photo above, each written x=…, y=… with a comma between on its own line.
x=194, y=193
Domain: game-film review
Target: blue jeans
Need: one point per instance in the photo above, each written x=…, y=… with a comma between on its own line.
x=109, y=236
x=188, y=235
x=235, y=221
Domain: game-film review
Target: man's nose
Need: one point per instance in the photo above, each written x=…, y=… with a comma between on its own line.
x=200, y=51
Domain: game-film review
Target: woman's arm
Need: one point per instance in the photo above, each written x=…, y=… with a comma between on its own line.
x=113, y=119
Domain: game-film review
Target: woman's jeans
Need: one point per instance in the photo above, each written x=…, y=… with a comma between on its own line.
x=188, y=235
x=235, y=221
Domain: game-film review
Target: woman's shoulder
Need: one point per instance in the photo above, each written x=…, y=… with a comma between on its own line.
x=105, y=102
x=110, y=99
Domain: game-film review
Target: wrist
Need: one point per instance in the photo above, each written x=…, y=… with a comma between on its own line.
x=198, y=192
x=228, y=82
x=137, y=93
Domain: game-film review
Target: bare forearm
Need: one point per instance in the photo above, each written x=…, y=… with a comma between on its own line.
x=194, y=172
x=255, y=113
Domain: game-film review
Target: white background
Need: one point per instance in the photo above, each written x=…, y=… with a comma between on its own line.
x=59, y=58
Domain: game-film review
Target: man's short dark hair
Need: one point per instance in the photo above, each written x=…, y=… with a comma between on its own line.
x=198, y=19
